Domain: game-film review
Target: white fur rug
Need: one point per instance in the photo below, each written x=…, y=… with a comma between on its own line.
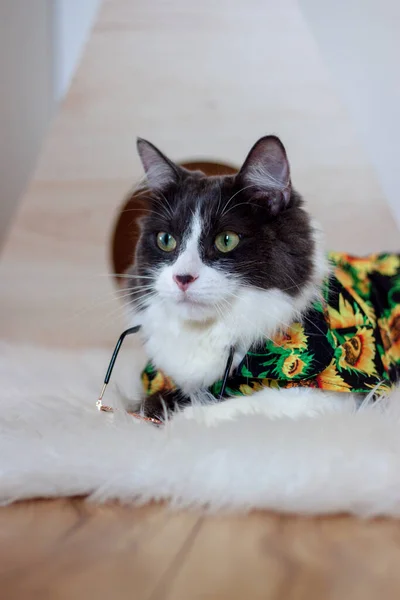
x=55, y=443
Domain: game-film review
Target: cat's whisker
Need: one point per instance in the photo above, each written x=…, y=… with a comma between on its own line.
x=116, y=299
x=143, y=301
x=153, y=199
x=135, y=293
x=219, y=311
x=166, y=202
x=233, y=196
x=138, y=285
x=149, y=292
x=147, y=210
x=303, y=316
x=263, y=289
x=167, y=214
x=113, y=296
x=286, y=274
x=247, y=203
x=220, y=198
x=113, y=315
x=138, y=288
x=124, y=276
x=124, y=306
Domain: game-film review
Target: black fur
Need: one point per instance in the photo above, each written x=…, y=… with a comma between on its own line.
x=162, y=407
x=275, y=251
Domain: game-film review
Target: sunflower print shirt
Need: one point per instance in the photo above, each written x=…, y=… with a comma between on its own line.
x=347, y=342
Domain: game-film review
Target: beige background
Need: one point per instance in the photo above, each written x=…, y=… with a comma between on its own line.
x=202, y=81
x=41, y=43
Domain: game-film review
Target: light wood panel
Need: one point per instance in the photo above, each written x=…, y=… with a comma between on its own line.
x=201, y=80
x=68, y=549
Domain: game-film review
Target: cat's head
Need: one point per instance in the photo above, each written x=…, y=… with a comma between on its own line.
x=208, y=241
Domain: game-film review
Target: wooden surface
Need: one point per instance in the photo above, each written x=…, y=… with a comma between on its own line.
x=68, y=549
x=201, y=80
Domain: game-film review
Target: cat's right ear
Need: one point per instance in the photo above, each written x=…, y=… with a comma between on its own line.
x=266, y=174
x=160, y=171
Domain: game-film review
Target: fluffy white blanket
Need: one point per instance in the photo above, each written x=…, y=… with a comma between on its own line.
x=53, y=442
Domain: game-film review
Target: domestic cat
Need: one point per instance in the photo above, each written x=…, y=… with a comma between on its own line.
x=228, y=264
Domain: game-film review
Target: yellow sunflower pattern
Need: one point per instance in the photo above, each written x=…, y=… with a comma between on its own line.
x=345, y=316
x=350, y=342
x=293, y=338
x=358, y=352
x=330, y=379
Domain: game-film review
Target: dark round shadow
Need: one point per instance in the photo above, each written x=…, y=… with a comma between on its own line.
x=126, y=229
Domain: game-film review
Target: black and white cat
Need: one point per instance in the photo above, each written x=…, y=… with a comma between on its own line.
x=224, y=262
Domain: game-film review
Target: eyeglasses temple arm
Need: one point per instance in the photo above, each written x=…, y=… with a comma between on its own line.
x=114, y=358
x=226, y=374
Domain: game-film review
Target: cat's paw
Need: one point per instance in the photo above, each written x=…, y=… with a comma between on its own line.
x=162, y=406
x=154, y=407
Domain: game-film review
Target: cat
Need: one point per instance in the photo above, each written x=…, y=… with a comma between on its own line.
x=224, y=262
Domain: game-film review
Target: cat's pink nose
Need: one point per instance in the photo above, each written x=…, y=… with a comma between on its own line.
x=183, y=281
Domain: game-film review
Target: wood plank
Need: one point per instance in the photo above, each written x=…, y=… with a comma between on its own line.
x=71, y=549
x=266, y=556
x=65, y=549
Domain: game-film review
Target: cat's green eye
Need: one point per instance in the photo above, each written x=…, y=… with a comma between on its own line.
x=165, y=241
x=227, y=241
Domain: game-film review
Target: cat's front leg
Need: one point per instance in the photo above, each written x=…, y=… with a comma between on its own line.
x=162, y=406
x=272, y=403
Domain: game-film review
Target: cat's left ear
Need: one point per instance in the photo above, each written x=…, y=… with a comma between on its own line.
x=161, y=172
x=266, y=174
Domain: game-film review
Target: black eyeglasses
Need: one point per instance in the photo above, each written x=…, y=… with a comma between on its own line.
x=117, y=348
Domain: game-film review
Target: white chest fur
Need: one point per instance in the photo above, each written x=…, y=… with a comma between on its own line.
x=194, y=354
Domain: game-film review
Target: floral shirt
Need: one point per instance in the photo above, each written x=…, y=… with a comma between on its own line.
x=349, y=341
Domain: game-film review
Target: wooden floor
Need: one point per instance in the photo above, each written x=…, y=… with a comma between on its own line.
x=200, y=80
x=67, y=549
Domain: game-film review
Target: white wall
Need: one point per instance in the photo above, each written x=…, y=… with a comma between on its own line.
x=72, y=23
x=41, y=42
x=26, y=98
x=359, y=41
